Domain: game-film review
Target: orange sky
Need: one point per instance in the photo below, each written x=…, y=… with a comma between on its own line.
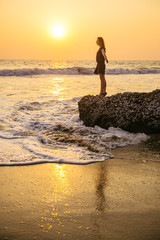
x=130, y=29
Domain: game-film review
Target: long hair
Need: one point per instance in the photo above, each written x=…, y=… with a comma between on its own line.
x=102, y=42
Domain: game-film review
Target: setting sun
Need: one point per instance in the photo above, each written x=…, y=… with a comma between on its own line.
x=58, y=31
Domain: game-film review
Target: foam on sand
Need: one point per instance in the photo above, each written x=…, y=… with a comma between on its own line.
x=52, y=132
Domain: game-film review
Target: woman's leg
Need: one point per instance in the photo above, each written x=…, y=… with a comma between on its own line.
x=103, y=83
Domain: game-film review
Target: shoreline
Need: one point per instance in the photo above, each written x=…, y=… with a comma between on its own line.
x=149, y=148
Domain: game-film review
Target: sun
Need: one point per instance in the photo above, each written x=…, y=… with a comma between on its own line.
x=58, y=31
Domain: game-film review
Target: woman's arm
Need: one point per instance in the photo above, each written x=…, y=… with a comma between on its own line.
x=104, y=54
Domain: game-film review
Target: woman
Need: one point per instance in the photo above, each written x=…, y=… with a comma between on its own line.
x=100, y=68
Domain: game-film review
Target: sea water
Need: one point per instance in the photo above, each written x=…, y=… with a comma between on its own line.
x=39, y=118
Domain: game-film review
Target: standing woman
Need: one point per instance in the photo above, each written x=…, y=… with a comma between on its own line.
x=100, y=68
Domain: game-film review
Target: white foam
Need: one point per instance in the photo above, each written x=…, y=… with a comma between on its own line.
x=76, y=71
x=39, y=71
x=30, y=151
x=123, y=138
x=55, y=133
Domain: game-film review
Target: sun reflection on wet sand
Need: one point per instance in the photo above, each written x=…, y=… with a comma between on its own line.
x=79, y=202
x=63, y=204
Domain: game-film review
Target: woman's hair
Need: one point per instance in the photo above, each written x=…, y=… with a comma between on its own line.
x=102, y=42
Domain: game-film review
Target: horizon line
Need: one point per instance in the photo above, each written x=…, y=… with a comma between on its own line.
x=58, y=60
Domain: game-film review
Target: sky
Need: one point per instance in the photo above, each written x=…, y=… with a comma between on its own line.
x=130, y=29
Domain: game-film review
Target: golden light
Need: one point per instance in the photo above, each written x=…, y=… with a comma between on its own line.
x=58, y=31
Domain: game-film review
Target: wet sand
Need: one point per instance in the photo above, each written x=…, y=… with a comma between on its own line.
x=115, y=200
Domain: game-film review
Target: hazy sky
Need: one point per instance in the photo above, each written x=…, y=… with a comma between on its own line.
x=130, y=28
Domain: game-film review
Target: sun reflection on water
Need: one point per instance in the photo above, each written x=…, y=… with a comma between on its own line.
x=56, y=84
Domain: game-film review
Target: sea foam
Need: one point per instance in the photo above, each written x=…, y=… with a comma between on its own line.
x=76, y=71
x=52, y=132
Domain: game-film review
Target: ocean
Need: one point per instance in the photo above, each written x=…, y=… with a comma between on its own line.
x=39, y=119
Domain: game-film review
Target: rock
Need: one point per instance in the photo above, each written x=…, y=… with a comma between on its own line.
x=133, y=112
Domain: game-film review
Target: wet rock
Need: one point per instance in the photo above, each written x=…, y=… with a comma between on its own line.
x=133, y=112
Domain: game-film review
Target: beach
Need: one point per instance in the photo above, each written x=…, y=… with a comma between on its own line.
x=39, y=117
x=115, y=199
x=63, y=180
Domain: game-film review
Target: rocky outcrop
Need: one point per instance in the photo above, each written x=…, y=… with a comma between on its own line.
x=133, y=112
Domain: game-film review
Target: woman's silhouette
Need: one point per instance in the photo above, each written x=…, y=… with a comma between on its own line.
x=100, y=68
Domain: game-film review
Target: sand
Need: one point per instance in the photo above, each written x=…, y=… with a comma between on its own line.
x=116, y=199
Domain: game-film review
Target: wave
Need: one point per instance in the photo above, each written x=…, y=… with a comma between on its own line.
x=75, y=71
x=52, y=132
x=60, y=161
x=39, y=71
x=116, y=71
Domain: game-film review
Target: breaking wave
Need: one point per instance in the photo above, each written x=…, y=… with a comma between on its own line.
x=75, y=71
x=42, y=132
